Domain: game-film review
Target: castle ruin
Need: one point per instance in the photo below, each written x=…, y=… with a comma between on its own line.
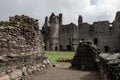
x=105, y=35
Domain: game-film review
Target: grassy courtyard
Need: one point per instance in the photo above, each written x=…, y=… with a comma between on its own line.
x=54, y=55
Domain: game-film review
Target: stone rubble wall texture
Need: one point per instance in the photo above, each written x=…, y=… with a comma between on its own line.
x=88, y=57
x=109, y=66
x=84, y=58
x=21, y=48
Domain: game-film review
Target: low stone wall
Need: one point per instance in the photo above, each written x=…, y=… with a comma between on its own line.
x=17, y=67
x=109, y=66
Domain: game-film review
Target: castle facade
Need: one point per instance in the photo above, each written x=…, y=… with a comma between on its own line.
x=104, y=35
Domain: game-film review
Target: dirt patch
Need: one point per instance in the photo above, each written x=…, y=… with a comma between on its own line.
x=62, y=72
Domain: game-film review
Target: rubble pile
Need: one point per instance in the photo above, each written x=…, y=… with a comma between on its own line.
x=89, y=57
x=21, y=48
x=84, y=57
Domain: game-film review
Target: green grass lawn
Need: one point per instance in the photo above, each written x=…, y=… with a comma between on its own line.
x=54, y=55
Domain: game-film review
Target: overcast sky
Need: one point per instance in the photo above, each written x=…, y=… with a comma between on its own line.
x=91, y=10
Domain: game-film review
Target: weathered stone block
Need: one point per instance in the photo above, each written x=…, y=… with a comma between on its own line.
x=15, y=74
x=5, y=77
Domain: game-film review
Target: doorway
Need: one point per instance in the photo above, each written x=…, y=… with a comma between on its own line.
x=106, y=48
x=69, y=48
x=56, y=48
x=61, y=47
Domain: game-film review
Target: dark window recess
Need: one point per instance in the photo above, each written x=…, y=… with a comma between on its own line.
x=56, y=48
x=60, y=47
x=106, y=48
x=95, y=41
x=69, y=48
x=82, y=39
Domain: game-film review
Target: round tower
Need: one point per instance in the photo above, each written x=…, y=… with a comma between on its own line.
x=54, y=31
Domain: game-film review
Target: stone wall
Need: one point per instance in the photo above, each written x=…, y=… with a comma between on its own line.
x=68, y=37
x=21, y=48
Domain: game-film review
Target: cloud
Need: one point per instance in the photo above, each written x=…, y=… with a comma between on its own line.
x=91, y=10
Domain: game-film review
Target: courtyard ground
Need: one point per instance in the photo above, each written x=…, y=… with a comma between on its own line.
x=62, y=72
x=54, y=55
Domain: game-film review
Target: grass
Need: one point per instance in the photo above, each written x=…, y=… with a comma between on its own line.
x=54, y=55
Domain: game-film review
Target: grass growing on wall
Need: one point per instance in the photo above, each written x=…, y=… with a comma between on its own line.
x=54, y=55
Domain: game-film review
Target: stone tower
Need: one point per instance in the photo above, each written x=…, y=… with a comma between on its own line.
x=55, y=22
x=46, y=21
x=60, y=19
x=80, y=20
x=116, y=30
x=117, y=17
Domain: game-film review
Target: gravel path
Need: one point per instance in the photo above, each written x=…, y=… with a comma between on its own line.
x=61, y=72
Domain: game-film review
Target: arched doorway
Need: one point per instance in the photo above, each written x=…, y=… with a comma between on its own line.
x=60, y=47
x=69, y=48
x=56, y=48
x=106, y=48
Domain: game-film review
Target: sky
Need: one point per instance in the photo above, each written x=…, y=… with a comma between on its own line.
x=91, y=10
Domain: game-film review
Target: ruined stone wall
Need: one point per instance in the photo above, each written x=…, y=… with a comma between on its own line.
x=69, y=36
x=104, y=33
x=21, y=48
x=83, y=31
x=116, y=35
x=88, y=57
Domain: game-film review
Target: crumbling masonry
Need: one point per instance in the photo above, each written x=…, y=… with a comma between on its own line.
x=88, y=57
x=21, y=48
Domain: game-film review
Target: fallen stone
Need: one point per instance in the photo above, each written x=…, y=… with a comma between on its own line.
x=16, y=74
x=34, y=68
x=30, y=71
x=24, y=70
x=5, y=77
